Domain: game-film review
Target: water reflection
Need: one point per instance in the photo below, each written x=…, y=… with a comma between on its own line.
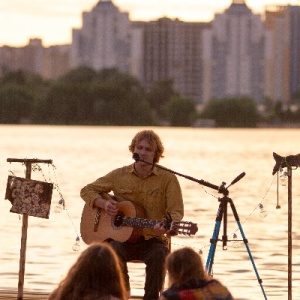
x=80, y=154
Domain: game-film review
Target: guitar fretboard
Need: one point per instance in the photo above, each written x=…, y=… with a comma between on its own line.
x=139, y=222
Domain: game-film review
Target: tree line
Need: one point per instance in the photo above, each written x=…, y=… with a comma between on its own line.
x=109, y=97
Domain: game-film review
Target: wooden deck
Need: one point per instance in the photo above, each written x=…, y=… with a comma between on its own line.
x=30, y=295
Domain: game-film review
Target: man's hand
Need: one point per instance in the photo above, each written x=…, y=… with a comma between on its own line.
x=159, y=229
x=110, y=206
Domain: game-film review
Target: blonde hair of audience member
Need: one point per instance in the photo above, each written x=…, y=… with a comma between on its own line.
x=95, y=275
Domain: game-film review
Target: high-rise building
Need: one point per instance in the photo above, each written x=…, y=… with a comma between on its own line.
x=277, y=54
x=294, y=22
x=48, y=62
x=238, y=54
x=104, y=39
x=9, y=59
x=282, y=53
x=233, y=54
x=56, y=61
x=172, y=50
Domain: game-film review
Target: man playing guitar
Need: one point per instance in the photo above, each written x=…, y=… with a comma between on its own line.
x=152, y=188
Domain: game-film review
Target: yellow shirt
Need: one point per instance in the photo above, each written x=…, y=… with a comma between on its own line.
x=158, y=193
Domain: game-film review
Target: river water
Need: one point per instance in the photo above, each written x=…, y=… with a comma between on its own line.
x=81, y=154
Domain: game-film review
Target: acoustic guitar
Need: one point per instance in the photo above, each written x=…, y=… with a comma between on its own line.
x=126, y=226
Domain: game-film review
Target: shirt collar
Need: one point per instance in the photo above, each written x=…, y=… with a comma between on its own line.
x=132, y=170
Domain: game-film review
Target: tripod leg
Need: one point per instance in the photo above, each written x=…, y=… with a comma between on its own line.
x=247, y=246
x=214, y=240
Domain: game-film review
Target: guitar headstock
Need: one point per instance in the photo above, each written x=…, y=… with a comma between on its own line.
x=185, y=228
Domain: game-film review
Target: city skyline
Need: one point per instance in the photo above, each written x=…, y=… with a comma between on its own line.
x=21, y=20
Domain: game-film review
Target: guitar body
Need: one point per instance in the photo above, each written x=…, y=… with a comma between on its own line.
x=96, y=225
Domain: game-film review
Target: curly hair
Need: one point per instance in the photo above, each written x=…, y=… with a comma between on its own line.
x=96, y=274
x=153, y=139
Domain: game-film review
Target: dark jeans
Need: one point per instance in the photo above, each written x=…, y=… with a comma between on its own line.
x=153, y=253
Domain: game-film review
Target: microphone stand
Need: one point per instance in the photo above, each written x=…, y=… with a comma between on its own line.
x=221, y=214
x=201, y=181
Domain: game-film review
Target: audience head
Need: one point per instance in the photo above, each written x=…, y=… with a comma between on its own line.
x=183, y=265
x=96, y=273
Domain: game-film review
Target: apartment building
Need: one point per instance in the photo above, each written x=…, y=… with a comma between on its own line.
x=233, y=54
x=172, y=50
x=294, y=24
x=238, y=53
x=104, y=39
x=49, y=62
x=282, y=60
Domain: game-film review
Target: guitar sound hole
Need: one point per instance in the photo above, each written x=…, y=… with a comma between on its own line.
x=119, y=219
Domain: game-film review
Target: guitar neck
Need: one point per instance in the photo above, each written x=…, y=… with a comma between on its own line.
x=185, y=228
x=139, y=222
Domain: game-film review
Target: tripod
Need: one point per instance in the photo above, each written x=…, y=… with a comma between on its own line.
x=222, y=214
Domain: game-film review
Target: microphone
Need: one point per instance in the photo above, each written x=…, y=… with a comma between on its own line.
x=136, y=156
x=238, y=178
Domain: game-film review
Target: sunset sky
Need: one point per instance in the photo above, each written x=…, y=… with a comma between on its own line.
x=53, y=20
